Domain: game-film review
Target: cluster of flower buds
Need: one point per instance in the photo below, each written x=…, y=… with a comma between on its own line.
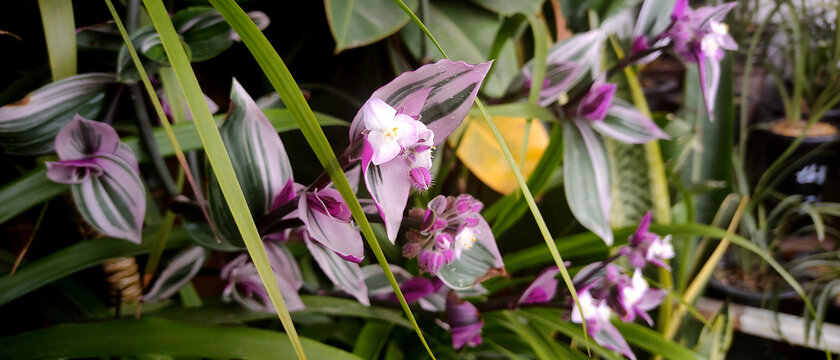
x=448, y=227
x=700, y=32
x=464, y=322
x=394, y=133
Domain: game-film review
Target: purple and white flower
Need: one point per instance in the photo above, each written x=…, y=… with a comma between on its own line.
x=646, y=247
x=637, y=298
x=398, y=127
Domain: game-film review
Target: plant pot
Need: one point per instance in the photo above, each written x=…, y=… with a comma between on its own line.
x=727, y=283
x=816, y=178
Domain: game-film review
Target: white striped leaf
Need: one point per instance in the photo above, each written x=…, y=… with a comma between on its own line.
x=259, y=159
x=586, y=177
x=180, y=270
x=347, y=276
x=476, y=264
x=627, y=124
x=29, y=125
x=654, y=17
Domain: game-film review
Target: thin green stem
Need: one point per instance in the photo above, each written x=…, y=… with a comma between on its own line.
x=147, y=137
x=150, y=91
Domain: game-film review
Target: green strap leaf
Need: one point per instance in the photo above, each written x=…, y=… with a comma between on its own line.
x=157, y=336
x=60, y=33
x=220, y=162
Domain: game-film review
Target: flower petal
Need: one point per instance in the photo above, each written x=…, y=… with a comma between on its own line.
x=82, y=138
x=389, y=186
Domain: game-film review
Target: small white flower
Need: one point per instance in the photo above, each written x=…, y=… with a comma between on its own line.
x=660, y=248
x=631, y=294
x=389, y=132
x=464, y=241
x=590, y=310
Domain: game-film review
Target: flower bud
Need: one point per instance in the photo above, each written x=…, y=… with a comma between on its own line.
x=420, y=178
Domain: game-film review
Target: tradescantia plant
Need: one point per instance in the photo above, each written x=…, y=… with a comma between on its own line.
x=352, y=270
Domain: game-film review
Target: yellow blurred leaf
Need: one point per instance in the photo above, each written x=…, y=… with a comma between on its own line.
x=480, y=152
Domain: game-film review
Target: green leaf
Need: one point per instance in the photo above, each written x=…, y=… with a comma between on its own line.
x=508, y=7
x=586, y=178
x=220, y=162
x=356, y=23
x=372, y=338
x=473, y=267
x=157, y=336
x=60, y=34
x=259, y=160
x=550, y=318
x=282, y=80
x=469, y=36
x=714, y=340
x=29, y=125
x=630, y=189
x=222, y=313
x=653, y=342
x=74, y=258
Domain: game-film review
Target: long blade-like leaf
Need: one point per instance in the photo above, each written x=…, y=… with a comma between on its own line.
x=284, y=83
x=220, y=162
x=60, y=33
x=135, y=337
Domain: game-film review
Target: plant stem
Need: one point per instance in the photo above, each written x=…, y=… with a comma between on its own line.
x=147, y=135
x=705, y=273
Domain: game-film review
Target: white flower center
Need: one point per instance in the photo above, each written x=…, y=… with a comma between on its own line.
x=633, y=293
x=661, y=249
x=465, y=239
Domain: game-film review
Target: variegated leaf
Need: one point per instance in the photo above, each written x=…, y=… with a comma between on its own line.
x=587, y=178
x=207, y=33
x=347, y=276
x=389, y=187
x=454, y=87
x=377, y=283
x=338, y=235
x=654, y=17
x=180, y=270
x=259, y=159
x=567, y=64
x=480, y=262
x=627, y=124
x=114, y=203
x=29, y=125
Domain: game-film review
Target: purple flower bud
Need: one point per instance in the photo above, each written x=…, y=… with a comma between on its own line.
x=639, y=44
x=430, y=261
x=416, y=288
x=542, y=289
x=448, y=255
x=597, y=101
x=411, y=249
x=470, y=222
x=428, y=220
x=440, y=224
x=443, y=241
x=420, y=178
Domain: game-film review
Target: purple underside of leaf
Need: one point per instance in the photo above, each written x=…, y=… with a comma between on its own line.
x=389, y=186
x=346, y=276
x=542, y=289
x=72, y=171
x=626, y=124
x=113, y=203
x=337, y=235
x=82, y=138
x=180, y=270
x=586, y=178
x=453, y=85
